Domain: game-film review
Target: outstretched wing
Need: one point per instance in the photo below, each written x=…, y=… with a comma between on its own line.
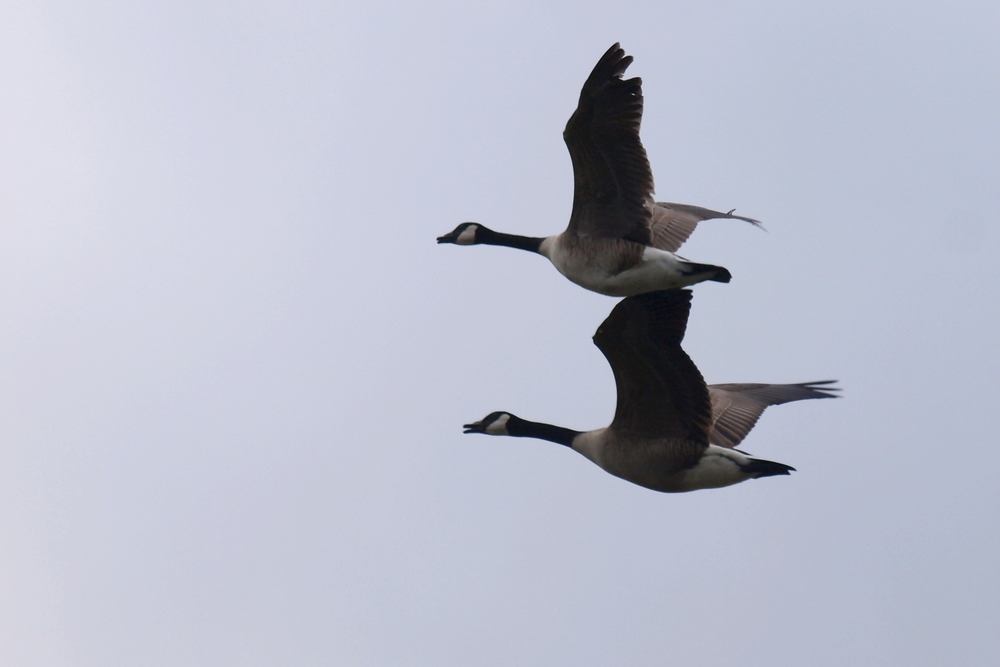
x=661, y=393
x=672, y=224
x=612, y=179
x=737, y=407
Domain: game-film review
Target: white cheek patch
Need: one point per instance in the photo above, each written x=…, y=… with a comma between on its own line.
x=468, y=236
x=498, y=427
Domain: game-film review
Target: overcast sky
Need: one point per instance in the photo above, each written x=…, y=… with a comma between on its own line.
x=235, y=364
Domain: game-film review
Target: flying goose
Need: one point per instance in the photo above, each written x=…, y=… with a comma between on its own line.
x=619, y=241
x=670, y=432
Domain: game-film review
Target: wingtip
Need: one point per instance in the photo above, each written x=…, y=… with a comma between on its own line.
x=612, y=65
x=822, y=388
x=753, y=221
x=616, y=51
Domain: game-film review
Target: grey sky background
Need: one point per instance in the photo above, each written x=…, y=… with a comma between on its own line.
x=235, y=364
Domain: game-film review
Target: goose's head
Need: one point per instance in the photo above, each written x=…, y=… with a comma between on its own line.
x=494, y=423
x=465, y=234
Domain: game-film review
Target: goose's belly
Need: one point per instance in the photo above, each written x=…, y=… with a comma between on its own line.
x=664, y=464
x=717, y=467
x=608, y=273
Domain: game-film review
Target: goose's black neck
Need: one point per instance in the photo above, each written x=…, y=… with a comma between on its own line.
x=522, y=428
x=490, y=237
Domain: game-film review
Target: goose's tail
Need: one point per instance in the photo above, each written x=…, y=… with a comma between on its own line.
x=760, y=468
x=696, y=273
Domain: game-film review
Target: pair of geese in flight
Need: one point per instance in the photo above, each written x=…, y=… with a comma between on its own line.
x=671, y=432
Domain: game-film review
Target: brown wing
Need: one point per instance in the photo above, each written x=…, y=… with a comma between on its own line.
x=661, y=393
x=672, y=224
x=611, y=175
x=737, y=407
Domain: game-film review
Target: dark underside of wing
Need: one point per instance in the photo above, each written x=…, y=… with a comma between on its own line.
x=737, y=407
x=661, y=393
x=611, y=174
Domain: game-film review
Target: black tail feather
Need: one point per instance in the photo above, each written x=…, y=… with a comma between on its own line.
x=722, y=275
x=719, y=274
x=760, y=468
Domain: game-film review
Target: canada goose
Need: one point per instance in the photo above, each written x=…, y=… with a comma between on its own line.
x=670, y=432
x=619, y=241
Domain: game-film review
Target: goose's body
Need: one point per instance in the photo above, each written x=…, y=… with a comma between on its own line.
x=665, y=464
x=619, y=241
x=617, y=267
x=671, y=432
